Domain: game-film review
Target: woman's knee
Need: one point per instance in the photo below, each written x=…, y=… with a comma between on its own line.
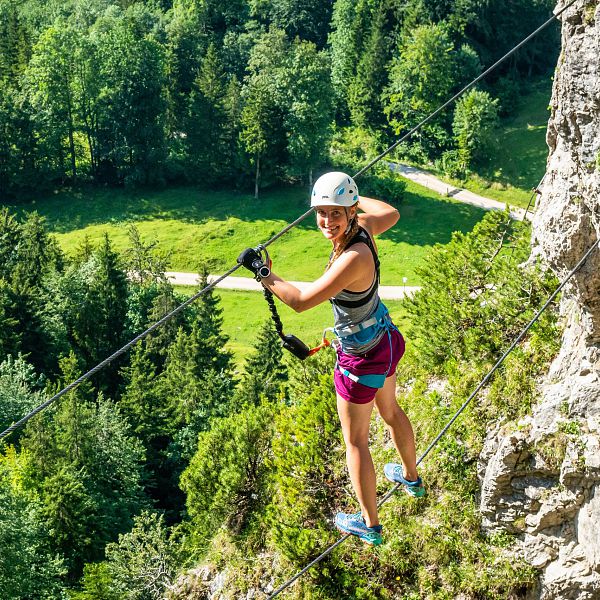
x=356, y=440
x=391, y=414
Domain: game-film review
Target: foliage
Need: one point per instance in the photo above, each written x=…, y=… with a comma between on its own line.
x=89, y=303
x=126, y=93
x=366, y=84
x=206, y=121
x=307, y=440
x=470, y=288
x=309, y=113
x=475, y=119
x=265, y=374
x=421, y=79
x=382, y=182
x=19, y=390
x=131, y=105
x=304, y=19
x=193, y=360
x=30, y=567
x=225, y=480
x=139, y=566
x=262, y=132
x=87, y=469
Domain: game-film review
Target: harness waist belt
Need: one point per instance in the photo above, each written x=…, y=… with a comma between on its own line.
x=346, y=331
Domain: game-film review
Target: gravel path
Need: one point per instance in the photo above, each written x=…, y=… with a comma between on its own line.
x=445, y=189
x=386, y=292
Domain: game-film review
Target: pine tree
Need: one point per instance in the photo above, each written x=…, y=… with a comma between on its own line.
x=366, y=87
x=158, y=342
x=141, y=565
x=103, y=323
x=87, y=468
x=10, y=343
x=225, y=480
x=10, y=233
x=149, y=411
x=36, y=253
x=206, y=122
x=15, y=46
x=265, y=372
x=306, y=447
x=207, y=331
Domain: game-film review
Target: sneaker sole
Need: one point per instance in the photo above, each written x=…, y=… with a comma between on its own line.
x=367, y=542
x=406, y=489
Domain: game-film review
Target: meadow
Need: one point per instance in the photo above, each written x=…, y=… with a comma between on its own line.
x=195, y=227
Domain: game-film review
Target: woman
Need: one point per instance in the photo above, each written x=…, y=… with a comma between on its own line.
x=369, y=345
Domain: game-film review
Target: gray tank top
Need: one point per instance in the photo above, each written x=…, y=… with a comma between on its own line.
x=351, y=308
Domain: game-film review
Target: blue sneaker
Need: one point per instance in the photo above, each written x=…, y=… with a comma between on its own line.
x=355, y=525
x=393, y=472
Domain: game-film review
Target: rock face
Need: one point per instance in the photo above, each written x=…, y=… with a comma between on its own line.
x=541, y=477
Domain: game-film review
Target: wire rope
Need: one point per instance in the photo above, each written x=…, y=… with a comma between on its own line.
x=439, y=436
x=178, y=309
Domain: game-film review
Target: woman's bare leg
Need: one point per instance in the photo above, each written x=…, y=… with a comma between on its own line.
x=400, y=428
x=355, y=420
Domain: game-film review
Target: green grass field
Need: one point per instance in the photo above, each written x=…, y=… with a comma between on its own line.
x=195, y=226
x=519, y=160
x=245, y=312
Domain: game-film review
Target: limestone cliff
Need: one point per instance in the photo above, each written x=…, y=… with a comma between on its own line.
x=541, y=476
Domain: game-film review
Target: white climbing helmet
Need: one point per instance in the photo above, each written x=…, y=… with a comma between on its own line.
x=334, y=189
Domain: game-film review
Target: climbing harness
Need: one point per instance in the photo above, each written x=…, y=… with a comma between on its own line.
x=368, y=330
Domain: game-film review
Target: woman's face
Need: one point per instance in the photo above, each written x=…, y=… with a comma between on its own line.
x=333, y=221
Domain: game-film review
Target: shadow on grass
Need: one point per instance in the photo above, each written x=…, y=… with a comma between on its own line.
x=426, y=218
x=73, y=210
x=521, y=153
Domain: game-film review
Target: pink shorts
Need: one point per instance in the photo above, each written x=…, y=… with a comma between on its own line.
x=374, y=362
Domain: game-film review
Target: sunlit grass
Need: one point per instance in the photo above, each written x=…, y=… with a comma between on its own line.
x=196, y=227
x=244, y=313
x=519, y=159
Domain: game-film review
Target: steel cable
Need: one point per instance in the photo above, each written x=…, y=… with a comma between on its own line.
x=168, y=316
x=391, y=492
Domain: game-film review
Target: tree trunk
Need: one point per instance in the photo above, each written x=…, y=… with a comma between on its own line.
x=257, y=176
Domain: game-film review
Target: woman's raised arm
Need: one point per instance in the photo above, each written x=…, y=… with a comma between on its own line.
x=377, y=216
